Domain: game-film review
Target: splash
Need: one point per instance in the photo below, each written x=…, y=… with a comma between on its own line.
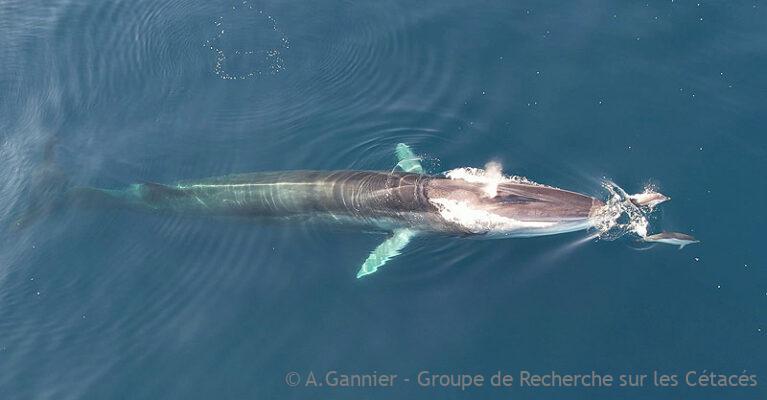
x=481, y=221
x=620, y=215
x=649, y=198
x=491, y=177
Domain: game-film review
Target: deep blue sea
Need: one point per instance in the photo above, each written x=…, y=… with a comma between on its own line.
x=116, y=304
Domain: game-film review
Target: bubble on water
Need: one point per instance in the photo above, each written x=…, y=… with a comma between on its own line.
x=233, y=62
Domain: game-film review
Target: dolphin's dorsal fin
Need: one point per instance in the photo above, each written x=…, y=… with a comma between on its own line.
x=407, y=160
x=385, y=251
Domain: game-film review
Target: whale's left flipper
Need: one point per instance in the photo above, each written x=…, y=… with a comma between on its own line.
x=407, y=160
x=390, y=248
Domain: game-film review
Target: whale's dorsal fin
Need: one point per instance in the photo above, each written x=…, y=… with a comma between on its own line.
x=385, y=251
x=407, y=160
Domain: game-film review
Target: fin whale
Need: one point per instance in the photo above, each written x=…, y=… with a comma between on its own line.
x=405, y=202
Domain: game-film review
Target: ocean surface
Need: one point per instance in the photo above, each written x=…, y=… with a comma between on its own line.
x=114, y=304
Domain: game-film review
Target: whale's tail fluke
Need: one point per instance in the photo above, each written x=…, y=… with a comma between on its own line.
x=49, y=189
x=44, y=191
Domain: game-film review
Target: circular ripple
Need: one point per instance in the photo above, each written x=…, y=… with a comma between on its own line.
x=259, y=54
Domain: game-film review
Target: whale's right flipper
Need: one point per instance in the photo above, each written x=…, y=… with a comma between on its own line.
x=407, y=160
x=390, y=248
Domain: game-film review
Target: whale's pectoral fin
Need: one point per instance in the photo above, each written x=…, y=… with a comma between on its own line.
x=407, y=160
x=390, y=248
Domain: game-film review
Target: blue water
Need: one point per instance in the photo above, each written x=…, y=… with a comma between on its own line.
x=102, y=304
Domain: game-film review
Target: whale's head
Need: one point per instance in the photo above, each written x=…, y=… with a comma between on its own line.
x=511, y=208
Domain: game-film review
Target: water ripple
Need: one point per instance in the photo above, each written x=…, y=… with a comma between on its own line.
x=132, y=91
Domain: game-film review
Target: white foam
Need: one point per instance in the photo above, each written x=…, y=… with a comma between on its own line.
x=474, y=220
x=491, y=177
x=649, y=197
x=609, y=220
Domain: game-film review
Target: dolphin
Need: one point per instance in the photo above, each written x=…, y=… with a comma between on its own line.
x=673, y=238
x=405, y=203
x=648, y=199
